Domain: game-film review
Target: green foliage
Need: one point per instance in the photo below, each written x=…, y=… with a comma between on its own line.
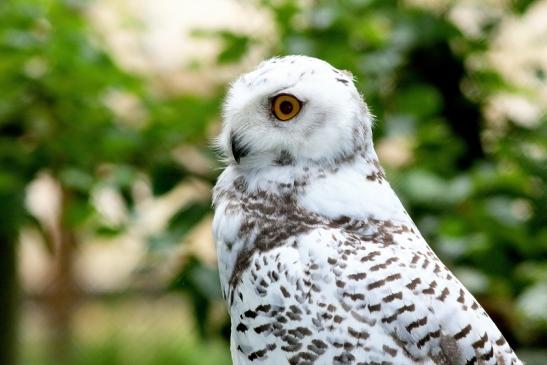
x=234, y=46
x=202, y=283
x=158, y=351
x=56, y=87
x=180, y=224
x=54, y=111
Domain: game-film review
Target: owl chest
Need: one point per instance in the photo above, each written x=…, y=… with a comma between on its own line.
x=310, y=301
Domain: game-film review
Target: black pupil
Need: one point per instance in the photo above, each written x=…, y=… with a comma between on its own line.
x=286, y=107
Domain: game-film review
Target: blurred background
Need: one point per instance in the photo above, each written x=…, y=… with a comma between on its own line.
x=107, y=108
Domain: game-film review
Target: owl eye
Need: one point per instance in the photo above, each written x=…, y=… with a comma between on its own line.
x=285, y=107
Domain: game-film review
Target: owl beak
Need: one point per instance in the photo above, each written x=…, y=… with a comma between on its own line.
x=238, y=149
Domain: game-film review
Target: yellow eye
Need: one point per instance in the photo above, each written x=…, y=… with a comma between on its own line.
x=285, y=107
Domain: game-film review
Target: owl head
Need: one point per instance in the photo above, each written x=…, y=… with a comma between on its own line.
x=293, y=109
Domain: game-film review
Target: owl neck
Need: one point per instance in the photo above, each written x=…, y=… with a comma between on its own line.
x=352, y=185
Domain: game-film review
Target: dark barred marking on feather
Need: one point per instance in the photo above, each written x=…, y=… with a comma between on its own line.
x=284, y=159
x=303, y=358
x=431, y=288
x=263, y=328
x=501, y=341
x=241, y=328
x=481, y=342
x=343, y=359
x=444, y=295
x=260, y=353
x=487, y=356
x=374, y=308
x=418, y=323
x=390, y=351
x=471, y=361
x=461, y=298
x=464, y=332
x=358, y=276
x=392, y=297
x=427, y=338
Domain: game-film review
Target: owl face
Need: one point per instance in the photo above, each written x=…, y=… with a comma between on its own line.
x=296, y=107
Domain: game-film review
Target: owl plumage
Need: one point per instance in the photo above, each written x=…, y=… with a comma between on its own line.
x=319, y=261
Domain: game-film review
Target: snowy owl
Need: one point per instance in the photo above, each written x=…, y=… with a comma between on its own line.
x=319, y=262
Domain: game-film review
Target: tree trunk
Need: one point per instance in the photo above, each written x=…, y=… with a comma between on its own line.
x=9, y=297
x=11, y=201
x=63, y=293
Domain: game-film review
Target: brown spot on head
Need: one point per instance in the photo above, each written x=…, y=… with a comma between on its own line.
x=284, y=159
x=240, y=185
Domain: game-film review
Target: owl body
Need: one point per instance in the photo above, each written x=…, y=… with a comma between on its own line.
x=319, y=261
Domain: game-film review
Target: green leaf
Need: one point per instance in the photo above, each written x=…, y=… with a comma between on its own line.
x=179, y=225
x=419, y=101
x=165, y=176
